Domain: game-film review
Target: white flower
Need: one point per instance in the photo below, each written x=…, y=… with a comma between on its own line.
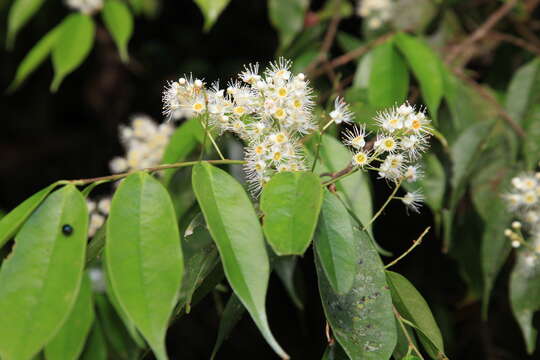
x=341, y=112
x=413, y=200
x=360, y=158
x=356, y=137
x=412, y=173
x=386, y=144
x=88, y=7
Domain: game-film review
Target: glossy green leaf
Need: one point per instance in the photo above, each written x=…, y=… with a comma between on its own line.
x=96, y=347
x=68, y=343
x=362, y=320
x=287, y=17
x=389, y=77
x=335, y=244
x=181, y=143
x=234, y=310
x=144, y=257
x=426, y=67
x=35, y=57
x=200, y=258
x=119, y=21
x=211, y=9
x=411, y=305
x=72, y=46
x=235, y=228
x=291, y=202
x=524, y=90
x=41, y=278
x=11, y=223
x=20, y=12
x=525, y=295
x=356, y=188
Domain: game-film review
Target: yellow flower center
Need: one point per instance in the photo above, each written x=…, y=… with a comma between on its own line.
x=416, y=124
x=197, y=107
x=239, y=110
x=360, y=158
x=297, y=103
x=277, y=156
x=259, y=149
x=282, y=92
x=280, y=113
x=389, y=144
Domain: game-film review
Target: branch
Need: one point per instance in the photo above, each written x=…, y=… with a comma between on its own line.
x=415, y=244
x=517, y=42
x=482, y=31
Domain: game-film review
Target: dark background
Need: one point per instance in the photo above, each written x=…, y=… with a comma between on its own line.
x=73, y=134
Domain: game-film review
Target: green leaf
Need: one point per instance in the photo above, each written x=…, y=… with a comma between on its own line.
x=96, y=348
x=524, y=90
x=432, y=183
x=335, y=244
x=41, y=278
x=200, y=258
x=389, y=78
x=72, y=46
x=234, y=310
x=402, y=345
x=211, y=10
x=68, y=343
x=411, y=305
x=119, y=21
x=20, y=12
x=362, y=320
x=334, y=352
x=235, y=228
x=426, y=66
x=144, y=257
x=287, y=17
x=35, y=57
x=285, y=267
x=181, y=143
x=11, y=223
x=291, y=202
x=525, y=295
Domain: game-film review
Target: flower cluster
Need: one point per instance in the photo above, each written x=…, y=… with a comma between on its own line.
x=98, y=211
x=377, y=12
x=523, y=201
x=269, y=111
x=402, y=136
x=144, y=142
x=85, y=6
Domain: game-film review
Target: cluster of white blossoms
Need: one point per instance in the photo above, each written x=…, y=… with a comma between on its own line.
x=144, y=141
x=269, y=111
x=523, y=201
x=98, y=212
x=85, y=6
x=377, y=12
x=402, y=136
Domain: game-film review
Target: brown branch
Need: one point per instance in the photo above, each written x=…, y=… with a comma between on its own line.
x=516, y=41
x=482, y=31
x=500, y=110
x=350, y=56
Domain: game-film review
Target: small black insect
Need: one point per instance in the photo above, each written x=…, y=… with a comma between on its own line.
x=67, y=229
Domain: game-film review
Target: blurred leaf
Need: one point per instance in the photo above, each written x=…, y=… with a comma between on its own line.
x=287, y=17
x=414, y=15
x=211, y=10
x=235, y=228
x=362, y=74
x=119, y=21
x=411, y=305
x=73, y=45
x=531, y=143
x=402, y=345
x=10, y=223
x=329, y=9
x=291, y=202
x=20, y=12
x=35, y=57
x=41, y=278
x=95, y=348
x=362, y=320
x=432, y=183
x=525, y=295
x=389, y=78
x=234, y=310
x=285, y=267
x=144, y=256
x=524, y=90
x=335, y=244
x=69, y=341
x=348, y=42
x=426, y=66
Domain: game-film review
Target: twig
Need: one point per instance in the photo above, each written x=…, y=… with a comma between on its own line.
x=152, y=169
x=415, y=244
x=482, y=31
x=400, y=320
x=349, y=56
x=486, y=95
x=398, y=184
x=328, y=38
x=516, y=41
